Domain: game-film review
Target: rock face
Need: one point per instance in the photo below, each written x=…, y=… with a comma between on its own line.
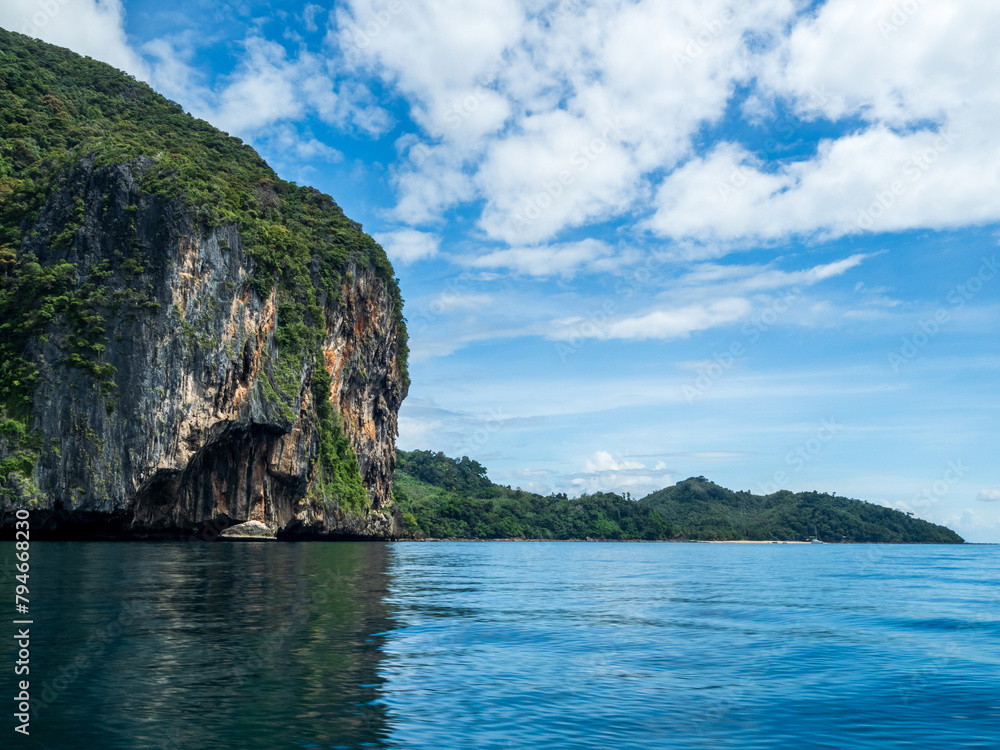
x=250, y=530
x=196, y=428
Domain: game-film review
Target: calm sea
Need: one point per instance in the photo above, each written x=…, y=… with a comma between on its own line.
x=509, y=645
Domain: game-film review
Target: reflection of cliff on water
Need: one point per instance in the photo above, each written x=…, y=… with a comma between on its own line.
x=250, y=645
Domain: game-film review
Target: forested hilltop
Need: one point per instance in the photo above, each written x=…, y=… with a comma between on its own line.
x=704, y=510
x=442, y=497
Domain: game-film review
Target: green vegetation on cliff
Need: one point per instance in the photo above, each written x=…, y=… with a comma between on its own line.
x=704, y=510
x=338, y=465
x=445, y=497
x=59, y=110
x=442, y=497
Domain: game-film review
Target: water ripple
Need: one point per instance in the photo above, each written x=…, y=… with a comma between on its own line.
x=509, y=645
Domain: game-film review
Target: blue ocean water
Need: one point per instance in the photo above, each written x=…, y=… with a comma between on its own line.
x=512, y=645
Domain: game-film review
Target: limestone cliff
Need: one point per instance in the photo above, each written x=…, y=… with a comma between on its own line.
x=193, y=428
x=166, y=363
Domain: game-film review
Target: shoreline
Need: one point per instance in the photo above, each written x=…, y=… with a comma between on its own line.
x=666, y=541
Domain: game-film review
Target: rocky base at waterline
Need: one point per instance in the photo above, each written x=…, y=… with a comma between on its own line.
x=248, y=531
x=82, y=525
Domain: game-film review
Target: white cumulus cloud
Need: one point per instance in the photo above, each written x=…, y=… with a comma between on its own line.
x=604, y=461
x=409, y=245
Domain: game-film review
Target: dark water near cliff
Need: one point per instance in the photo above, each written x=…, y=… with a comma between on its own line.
x=510, y=645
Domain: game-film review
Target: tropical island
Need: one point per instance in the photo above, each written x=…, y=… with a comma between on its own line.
x=187, y=341
x=442, y=497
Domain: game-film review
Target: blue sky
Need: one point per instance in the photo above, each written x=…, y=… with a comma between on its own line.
x=642, y=241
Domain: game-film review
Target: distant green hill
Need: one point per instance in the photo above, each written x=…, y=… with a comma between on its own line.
x=704, y=510
x=442, y=497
